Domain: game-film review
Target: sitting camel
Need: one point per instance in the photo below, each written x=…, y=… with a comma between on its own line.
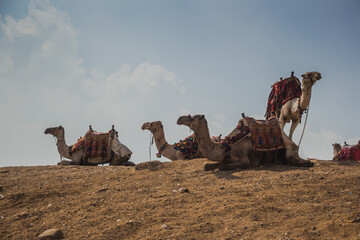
x=165, y=149
x=240, y=154
x=293, y=108
x=336, y=150
x=118, y=154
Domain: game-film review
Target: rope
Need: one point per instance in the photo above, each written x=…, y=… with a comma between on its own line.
x=150, y=143
x=56, y=142
x=302, y=134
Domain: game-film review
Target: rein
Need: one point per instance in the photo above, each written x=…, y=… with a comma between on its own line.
x=56, y=142
x=307, y=114
x=150, y=144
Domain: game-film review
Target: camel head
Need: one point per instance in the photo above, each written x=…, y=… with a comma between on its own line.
x=310, y=78
x=152, y=126
x=337, y=148
x=54, y=131
x=192, y=122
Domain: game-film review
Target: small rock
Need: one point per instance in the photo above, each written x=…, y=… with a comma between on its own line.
x=245, y=227
x=130, y=222
x=1, y=196
x=1, y=188
x=221, y=187
x=49, y=205
x=118, y=220
x=51, y=234
x=164, y=226
x=314, y=228
x=102, y=190
x=182, y=190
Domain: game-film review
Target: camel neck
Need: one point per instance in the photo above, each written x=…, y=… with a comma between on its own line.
x=208, y=148
x=61, y=145
x=305, y=96
x=160, y=140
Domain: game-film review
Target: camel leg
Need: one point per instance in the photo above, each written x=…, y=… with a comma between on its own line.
x=293, y=126
x=298, y=162
x=230, y=166
x=128, y=163
x=65, y=162
x=211, y=166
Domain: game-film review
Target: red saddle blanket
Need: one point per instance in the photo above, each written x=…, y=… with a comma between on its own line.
x=94, y=144
x=265, y=135
x=349, y=153
x=282, y=91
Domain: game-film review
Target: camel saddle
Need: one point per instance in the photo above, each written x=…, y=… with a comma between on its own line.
x=266, y=135
x=189, y=147
x=94, y=144
x=282, y=91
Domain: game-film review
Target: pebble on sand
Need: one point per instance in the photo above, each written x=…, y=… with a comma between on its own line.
x=51, y=234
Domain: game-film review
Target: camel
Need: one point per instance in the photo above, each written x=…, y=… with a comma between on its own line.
x=241, y=153
x=293, y=109
x=120, y=154
x=165, y=149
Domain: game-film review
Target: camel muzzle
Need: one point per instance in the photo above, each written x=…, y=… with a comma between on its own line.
x=48, y=130
x=145, y=126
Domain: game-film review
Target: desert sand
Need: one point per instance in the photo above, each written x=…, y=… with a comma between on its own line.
x=179, y=200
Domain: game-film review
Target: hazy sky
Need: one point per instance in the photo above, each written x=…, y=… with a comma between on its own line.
x=82, y=62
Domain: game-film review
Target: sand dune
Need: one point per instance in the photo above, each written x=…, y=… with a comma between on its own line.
x=182, y=201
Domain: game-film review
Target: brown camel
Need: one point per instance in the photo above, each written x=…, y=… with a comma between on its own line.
x=336, y=150
x=165, y=149
x=120, y=154
x=241, y=153
x=293, y=109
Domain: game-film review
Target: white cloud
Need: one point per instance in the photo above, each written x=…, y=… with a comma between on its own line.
x=44, y=84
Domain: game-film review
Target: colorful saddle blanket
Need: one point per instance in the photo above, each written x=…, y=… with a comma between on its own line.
x=94, y=144
x=282, y=91
x=189, y=147
x=349, y=153
x=265, y=135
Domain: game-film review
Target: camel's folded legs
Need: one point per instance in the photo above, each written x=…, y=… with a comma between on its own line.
x=235, y=165
x=299, y=162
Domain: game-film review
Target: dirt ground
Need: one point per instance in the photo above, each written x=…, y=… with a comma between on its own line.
x=182, y=201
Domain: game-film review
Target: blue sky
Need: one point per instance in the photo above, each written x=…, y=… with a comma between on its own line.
x=77, y=63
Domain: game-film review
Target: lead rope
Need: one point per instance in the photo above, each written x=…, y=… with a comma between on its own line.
x=302, y=134
x=150, y=144
x=56, y=142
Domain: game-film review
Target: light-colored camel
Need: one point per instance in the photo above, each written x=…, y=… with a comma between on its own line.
x=241, y=153
x=293, y=109
x=336, y=149
x=120, y=154
x=165, y=149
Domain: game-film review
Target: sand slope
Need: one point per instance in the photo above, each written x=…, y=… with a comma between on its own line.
x=182, y=201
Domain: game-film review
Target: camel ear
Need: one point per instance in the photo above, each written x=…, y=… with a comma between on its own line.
x=302, y=75
x=333, y=145
x=202, y=117
x=60, y=126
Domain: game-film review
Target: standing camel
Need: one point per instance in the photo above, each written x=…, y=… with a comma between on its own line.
x=119, y=153
x=293, y=108
x=240, y=154
x=165, y=149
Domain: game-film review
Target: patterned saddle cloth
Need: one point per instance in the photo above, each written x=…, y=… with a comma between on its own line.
x=189, y=147
x=282, y=91
x=265, y=135
x=94, y=144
